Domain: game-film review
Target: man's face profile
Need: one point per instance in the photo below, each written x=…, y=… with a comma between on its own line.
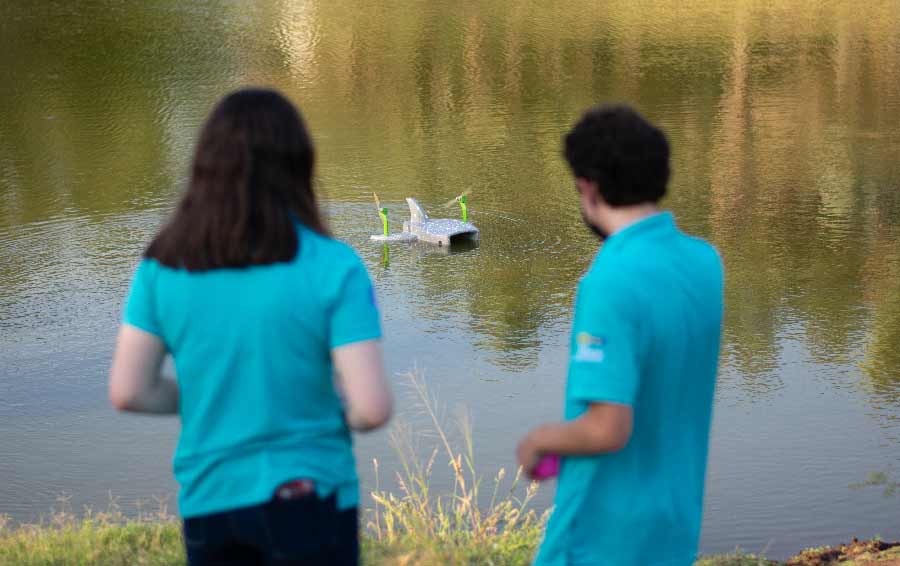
x=593, y=227
x=585, y=201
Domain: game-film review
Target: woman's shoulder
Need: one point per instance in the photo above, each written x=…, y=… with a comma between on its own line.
x=325, y=249
x=147, y=267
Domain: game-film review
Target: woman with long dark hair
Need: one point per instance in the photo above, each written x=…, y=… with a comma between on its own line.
x=274, y=331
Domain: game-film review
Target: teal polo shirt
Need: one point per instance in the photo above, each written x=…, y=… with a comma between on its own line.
x=646, y=333
x=252, y=351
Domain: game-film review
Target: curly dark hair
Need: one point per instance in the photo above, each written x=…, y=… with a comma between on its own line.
x=624, y=154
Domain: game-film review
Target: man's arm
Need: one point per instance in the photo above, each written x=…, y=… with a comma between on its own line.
x=603, y=428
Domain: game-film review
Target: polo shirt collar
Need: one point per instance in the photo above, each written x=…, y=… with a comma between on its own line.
x=658, y=221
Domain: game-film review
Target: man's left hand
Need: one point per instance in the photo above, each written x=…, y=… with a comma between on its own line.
x=527, y=453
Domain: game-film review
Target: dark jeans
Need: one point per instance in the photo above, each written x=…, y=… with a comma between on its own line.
x=306, y=531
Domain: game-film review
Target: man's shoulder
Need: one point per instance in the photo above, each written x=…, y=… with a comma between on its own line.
x=608, y=272
x=703, y=256
x=616, y=267
x=608, y=283
x=699, y=244
x=635, y=274
x=651, y=253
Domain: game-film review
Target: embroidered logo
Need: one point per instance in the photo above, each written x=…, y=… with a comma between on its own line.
x=588, y=348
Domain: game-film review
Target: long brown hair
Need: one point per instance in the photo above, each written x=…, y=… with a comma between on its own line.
x=251, y=181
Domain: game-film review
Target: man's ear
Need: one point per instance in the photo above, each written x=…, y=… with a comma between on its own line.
x=588, y=188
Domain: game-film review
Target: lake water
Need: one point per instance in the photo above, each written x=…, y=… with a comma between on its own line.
x=784, y=118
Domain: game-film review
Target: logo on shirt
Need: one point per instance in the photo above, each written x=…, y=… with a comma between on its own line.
x=588, y=348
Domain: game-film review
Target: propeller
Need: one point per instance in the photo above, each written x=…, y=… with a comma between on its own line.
x=455, y=199
x=382, y=212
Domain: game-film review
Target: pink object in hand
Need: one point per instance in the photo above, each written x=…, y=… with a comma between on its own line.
x=547, y=467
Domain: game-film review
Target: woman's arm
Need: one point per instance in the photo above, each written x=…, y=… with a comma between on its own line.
x=363, y=384
x=135, y=383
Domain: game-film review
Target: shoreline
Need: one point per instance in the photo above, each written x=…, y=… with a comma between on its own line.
x=109, y=539
x=477, y=519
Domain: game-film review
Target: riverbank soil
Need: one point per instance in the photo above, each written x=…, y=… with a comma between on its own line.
x=856, y=553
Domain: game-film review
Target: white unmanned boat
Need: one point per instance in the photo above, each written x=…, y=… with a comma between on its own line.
x=438, y=231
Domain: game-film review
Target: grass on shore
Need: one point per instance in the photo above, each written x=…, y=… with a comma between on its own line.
x=465, y=525
x=107, y=539
x=411, y=527
x=103, y=541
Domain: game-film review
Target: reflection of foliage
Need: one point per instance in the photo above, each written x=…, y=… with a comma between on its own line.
x=778, y=122
x=783, y=169
x=882, y=358
x=880, y=479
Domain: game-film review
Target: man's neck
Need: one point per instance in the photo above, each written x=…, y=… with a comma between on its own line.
x=620, y=217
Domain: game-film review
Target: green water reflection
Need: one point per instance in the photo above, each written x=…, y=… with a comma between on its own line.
x=784, y=119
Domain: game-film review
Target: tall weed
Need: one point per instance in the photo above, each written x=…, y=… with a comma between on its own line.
x=463, y=526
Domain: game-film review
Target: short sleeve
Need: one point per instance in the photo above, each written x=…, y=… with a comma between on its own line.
x=354, y=317
x=140, y=310
x=604, y=365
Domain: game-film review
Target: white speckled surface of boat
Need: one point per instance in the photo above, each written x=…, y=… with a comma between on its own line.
x=438, y=231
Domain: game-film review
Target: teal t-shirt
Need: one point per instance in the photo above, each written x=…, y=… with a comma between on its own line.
x=252, y=351
x=646, y=333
